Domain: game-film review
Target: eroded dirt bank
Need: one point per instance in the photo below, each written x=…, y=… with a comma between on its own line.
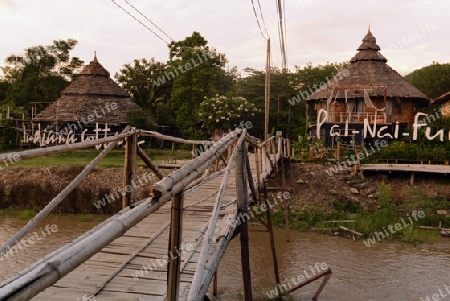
x=33, y=187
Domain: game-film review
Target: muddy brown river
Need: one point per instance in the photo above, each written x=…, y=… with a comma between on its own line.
x=390, y=270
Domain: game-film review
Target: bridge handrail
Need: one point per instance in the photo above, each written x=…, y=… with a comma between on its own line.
x=54, y=266
x=195, y=291
x=209, y=156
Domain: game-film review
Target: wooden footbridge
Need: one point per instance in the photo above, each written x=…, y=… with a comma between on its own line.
x=167, y=246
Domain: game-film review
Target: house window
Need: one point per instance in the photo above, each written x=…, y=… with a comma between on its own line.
x=360, y=107
x=389, y=107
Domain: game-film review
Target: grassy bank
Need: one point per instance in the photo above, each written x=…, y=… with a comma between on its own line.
x=114, y=159
x=27, y=214
x=380, y=219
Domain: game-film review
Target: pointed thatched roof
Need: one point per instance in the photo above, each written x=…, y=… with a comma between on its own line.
x=368, y=67
x=92, y=93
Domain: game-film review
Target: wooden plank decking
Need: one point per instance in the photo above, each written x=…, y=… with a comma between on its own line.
x=109, y=274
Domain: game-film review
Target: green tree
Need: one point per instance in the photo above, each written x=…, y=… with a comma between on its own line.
x=432, y=80
x=41, y=73
x=140, y=79
x=197, y=71
x=305, y=81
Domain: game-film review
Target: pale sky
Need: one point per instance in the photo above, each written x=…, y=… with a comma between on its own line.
x=411, y=33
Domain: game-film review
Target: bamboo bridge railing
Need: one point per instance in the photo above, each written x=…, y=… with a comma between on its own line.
x=48, y=270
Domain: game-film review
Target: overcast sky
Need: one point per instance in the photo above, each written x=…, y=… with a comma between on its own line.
x=411, y=33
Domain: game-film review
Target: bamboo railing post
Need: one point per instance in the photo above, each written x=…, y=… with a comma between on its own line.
x=251, y=184
x=129, y=170
x=258, y=167
x=242, y=202
x=260, y=159
x=149, y=163
x=173, y=265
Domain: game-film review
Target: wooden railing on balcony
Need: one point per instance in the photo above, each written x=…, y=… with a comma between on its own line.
x=358, y=117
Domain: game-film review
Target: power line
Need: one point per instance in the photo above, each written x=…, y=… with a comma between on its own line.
x=140, y=22
x=149, y=19
x=281, y=33
x=257, y=21
x=285, y=43
x=262, y=18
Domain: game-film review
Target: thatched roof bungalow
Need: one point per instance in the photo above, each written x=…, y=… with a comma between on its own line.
x=93, y=96
x=444, y=102
x=368, y=89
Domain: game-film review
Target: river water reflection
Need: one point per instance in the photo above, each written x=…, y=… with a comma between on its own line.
x=384, y=271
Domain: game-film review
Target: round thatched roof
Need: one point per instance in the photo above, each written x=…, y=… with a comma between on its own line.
x=368, y=67
x=88, y=94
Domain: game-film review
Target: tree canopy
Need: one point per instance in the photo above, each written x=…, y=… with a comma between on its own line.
x=433, y=80
x=40, y=74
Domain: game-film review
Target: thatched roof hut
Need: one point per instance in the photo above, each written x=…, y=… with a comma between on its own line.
x=93, y=93
x=444, y=102
x=368, y=67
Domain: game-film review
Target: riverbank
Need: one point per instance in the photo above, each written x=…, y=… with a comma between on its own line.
x=378, y=206
x=319, y=200
x=31, y=188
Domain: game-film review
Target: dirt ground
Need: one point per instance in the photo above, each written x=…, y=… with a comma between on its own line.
x=315, y=187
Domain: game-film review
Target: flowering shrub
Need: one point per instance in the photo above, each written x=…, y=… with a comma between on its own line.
x=223, y=112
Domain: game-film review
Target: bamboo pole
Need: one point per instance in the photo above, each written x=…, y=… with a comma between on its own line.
x=242, y=202
x=173, y=266
x=204, y=253
x=174, y=139
x=129, y=170
x=275, y=159
x=53, y=268
x=258, y=168
x=251, y=183
x=312, y=279
x=211, y=154
x=222, y=243
x=267, y=93
x=58, y=199
x=158, y=172
x=33, y=153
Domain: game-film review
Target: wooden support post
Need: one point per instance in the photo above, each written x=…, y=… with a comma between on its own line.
x=272, y=237
x=173, y=266
x=215, y=286
x=411, y=179
x=129, y=170
x=283, y=189
x=149, y=163
x=242, y=202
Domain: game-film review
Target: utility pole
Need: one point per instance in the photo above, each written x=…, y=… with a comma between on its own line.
x=267, y=94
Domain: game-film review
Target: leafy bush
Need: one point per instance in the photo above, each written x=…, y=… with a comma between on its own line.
x=223, y=112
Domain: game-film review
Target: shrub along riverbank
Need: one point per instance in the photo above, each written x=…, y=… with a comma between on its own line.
x=387, y=218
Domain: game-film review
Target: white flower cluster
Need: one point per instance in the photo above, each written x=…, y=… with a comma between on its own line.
x=219, y=111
